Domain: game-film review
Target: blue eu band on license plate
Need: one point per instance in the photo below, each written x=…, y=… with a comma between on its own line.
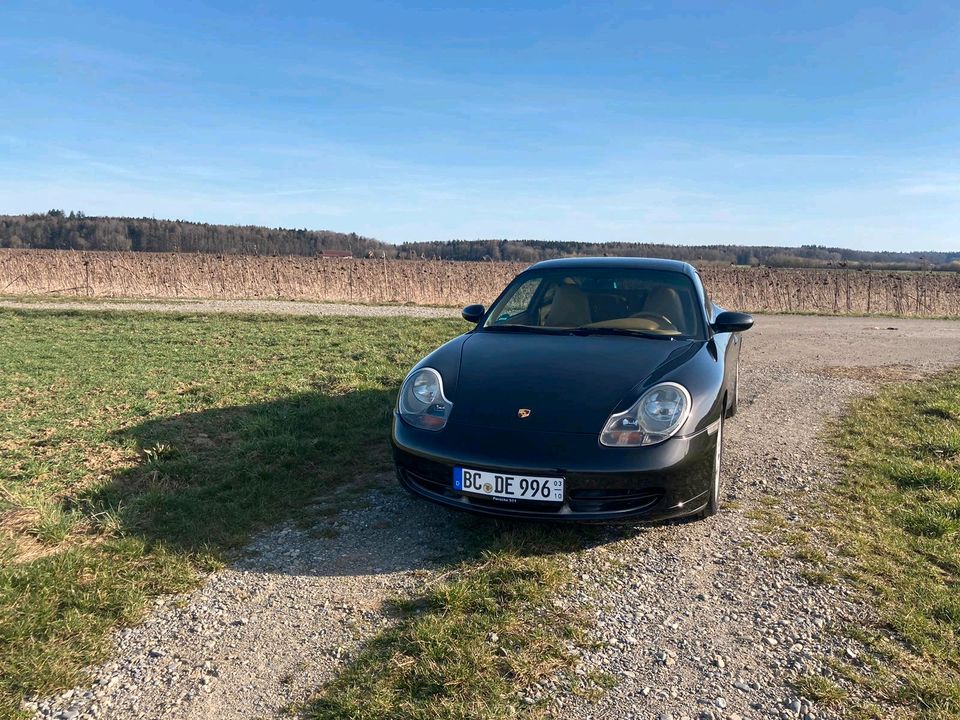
x=507, y=486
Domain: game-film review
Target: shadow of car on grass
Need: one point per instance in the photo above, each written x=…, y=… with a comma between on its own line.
x=310, y=474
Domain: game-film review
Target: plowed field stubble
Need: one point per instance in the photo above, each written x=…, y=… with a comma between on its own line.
x=176, y=275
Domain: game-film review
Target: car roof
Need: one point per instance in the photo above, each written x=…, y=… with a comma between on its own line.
x=616, y=262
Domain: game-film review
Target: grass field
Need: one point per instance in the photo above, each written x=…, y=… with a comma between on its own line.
x=894, y=521
x=139, y=449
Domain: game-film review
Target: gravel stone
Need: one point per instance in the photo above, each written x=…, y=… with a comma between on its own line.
x=266, y=307
x=697, y=591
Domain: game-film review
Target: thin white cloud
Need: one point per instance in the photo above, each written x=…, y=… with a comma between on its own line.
x=942, y=188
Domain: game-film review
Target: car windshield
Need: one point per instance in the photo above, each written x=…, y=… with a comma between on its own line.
x=601, y=301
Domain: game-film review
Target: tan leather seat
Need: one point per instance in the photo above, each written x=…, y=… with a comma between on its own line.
x=570, y=308
x=664, y=301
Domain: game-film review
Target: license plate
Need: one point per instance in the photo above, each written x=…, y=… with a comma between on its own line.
x=510, y=488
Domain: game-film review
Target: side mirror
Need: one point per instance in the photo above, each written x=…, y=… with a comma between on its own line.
x=473, y=313
x=729, y=322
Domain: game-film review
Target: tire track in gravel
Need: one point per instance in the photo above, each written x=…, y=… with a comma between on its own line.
x=696, y=622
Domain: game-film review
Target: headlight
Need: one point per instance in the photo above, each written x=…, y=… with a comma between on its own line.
x=656, y=416
x=421, y=402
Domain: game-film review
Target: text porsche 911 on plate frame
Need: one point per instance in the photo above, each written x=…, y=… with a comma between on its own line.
x=593, y=389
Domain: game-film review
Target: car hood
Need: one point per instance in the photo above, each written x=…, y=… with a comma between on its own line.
x=569, y=383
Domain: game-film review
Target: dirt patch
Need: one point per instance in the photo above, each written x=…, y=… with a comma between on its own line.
x=19, y=546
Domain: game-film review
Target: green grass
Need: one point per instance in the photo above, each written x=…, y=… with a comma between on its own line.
x=896, y=519
x=139, y=449
x=822, y=690
x=475, y=645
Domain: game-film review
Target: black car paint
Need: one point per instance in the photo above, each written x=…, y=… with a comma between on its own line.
x=500, y=372
x=489, y=374
x=674, y=475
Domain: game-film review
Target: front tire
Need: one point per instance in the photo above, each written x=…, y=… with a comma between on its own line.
x=713, y=502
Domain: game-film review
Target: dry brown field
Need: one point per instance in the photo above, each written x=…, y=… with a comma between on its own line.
x=174, y=275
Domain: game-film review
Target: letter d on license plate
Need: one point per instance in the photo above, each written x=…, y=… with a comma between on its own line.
x=506, y=486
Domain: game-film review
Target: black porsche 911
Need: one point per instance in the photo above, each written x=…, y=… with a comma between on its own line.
x=593, y=389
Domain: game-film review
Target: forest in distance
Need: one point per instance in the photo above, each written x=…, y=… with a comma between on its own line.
x=58, y=230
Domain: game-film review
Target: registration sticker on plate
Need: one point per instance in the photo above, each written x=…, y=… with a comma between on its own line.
x=502, y=486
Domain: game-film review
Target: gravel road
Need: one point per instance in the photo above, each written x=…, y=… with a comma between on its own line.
x=696, y=621
x=259, y=307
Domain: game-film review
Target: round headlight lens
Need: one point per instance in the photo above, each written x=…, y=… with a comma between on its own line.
x=655, y=417
x=422, y=402
x=425, y=387
x=661, y=408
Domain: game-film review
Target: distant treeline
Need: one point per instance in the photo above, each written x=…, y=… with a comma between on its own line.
x=57, y=230
x=75, y=231
x=813, y=256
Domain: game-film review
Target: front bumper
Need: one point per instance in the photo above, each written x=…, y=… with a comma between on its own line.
x=602, y=484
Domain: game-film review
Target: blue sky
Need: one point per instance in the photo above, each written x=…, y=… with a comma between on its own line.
x=766, y=122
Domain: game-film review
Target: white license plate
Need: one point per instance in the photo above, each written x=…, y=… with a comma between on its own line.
x=508, y=487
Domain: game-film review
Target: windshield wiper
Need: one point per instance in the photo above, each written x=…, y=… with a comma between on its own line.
x=624, y=331
x=582, y=331
x=526, y=328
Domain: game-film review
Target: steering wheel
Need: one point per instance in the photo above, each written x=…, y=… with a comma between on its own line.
x=662, y=320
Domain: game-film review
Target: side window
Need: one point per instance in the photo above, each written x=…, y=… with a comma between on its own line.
x=518, y=303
